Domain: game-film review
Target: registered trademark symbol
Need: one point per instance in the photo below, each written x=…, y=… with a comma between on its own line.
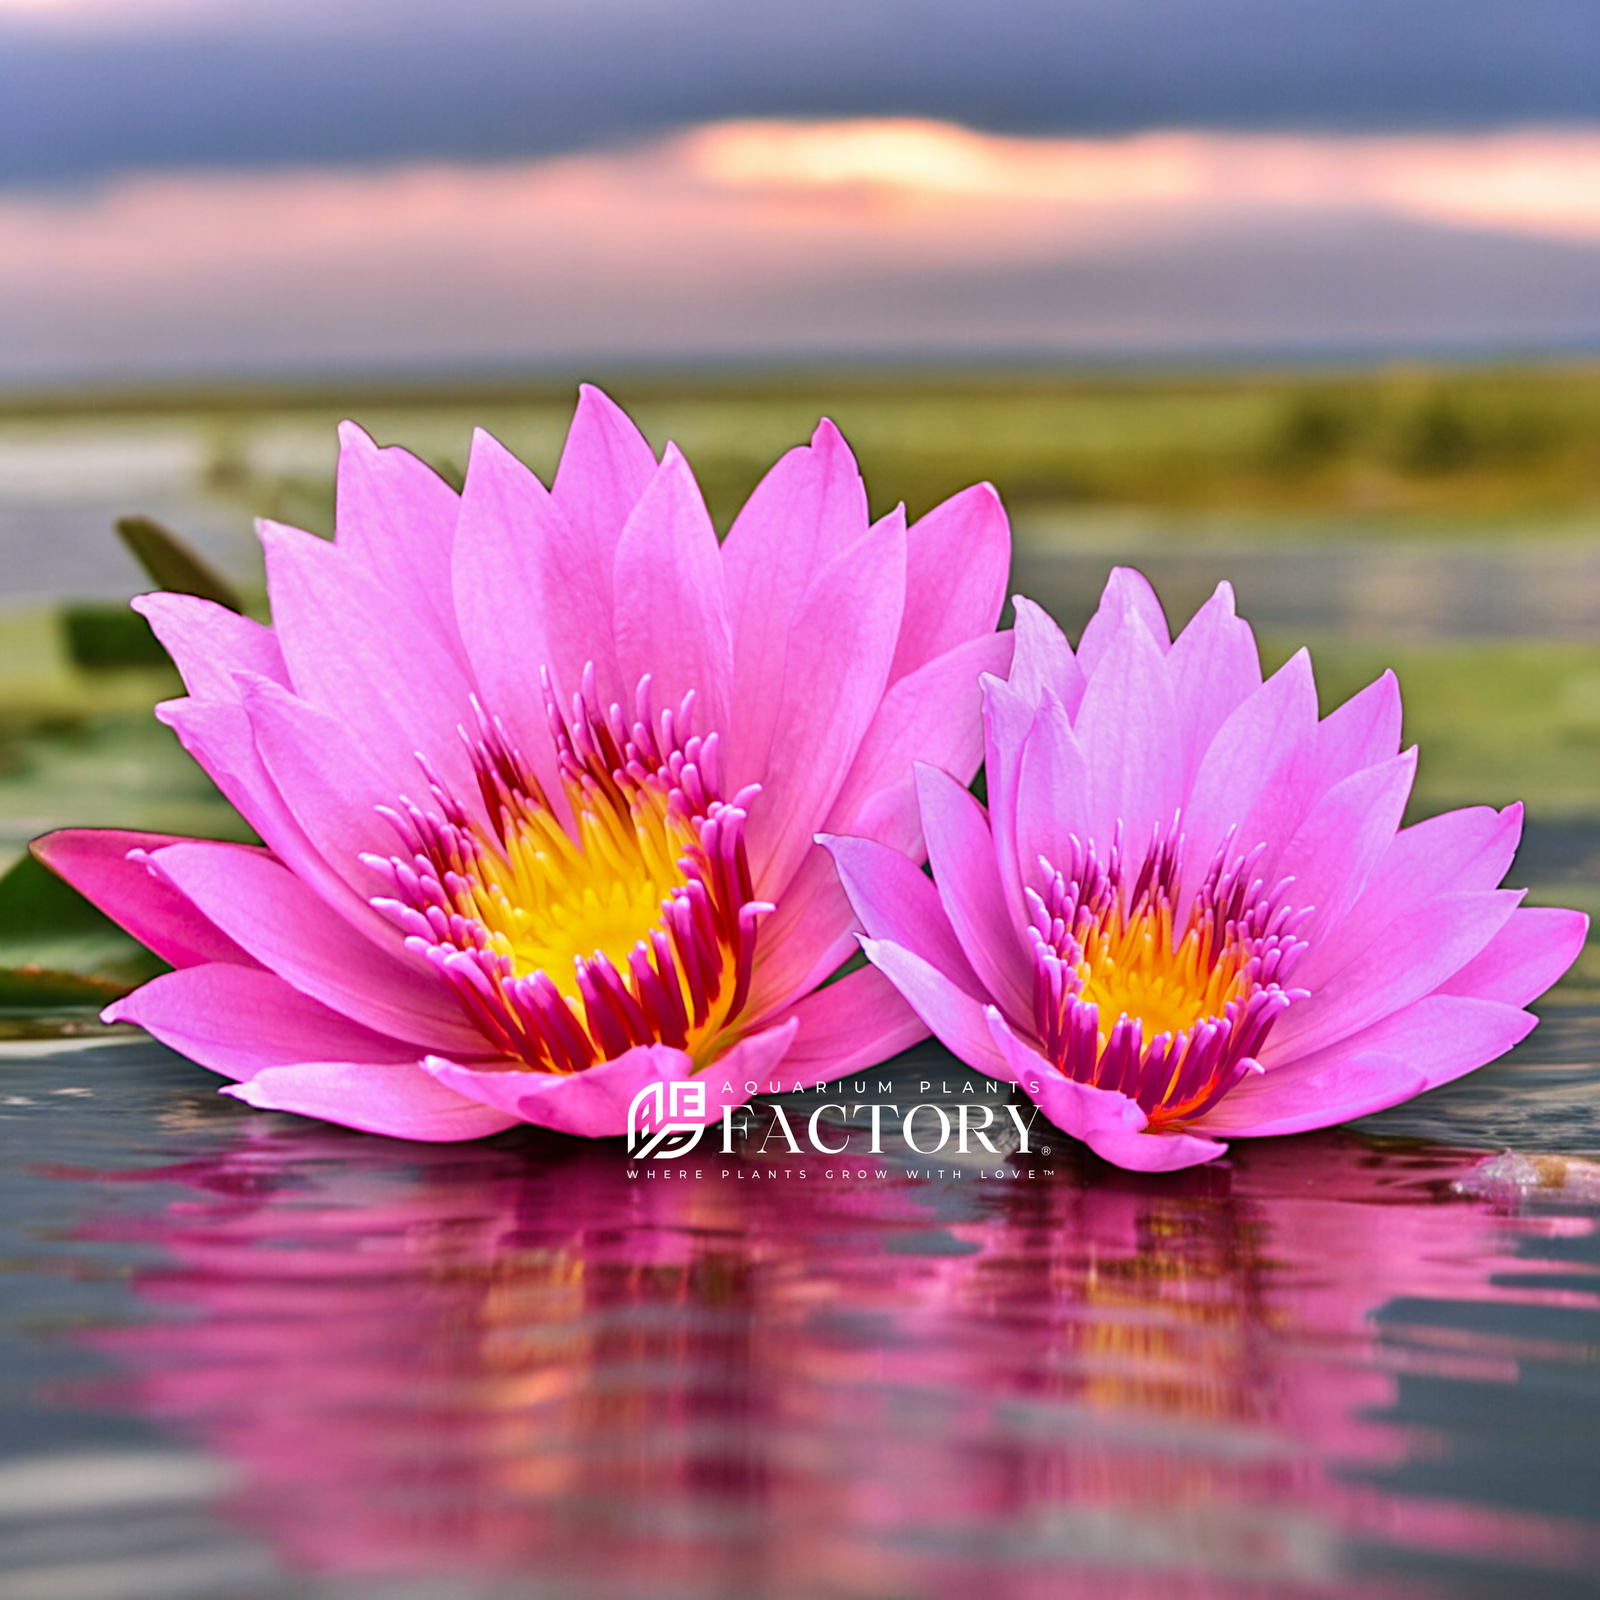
x=1044, y=1149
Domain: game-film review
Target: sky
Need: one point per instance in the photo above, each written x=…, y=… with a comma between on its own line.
x=205, y=187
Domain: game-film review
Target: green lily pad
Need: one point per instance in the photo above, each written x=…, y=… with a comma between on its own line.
x=57, y=951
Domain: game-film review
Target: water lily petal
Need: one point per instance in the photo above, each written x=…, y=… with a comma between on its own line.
x=331, y=790
x=1053, y=796
x=671, y=603
x=509, y=535
x=1419, y=951
x=961, y=852
x=604, y=471
x=851, y=614
x=1441, y=1036
x=1467, y=849
x=594, y=1104
x=242, y=1020
x=96, y=862
x=396, y=518
x=953, y=1015
x=1357, y=1087
x=268, y=910
x=1253, y=776
x=219, y=735
x=1214, y=667
x=1008, y=719
x=209, y=643
x=397, y=1098
x=1127, y=595
x=349, y=652
x=1335, y=851
x=899, y=904
x=1535, y=946
x=806, y=939
x=1043, y=659
x=957, y=560
x=1362, y=732
x=933, y=715
x=1131, y=738
x=807, y=510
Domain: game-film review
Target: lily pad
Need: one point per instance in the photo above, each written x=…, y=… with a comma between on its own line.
x=57, y=951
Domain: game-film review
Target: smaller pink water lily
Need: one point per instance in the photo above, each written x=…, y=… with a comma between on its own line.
x=1190, y=912
x=537, y=774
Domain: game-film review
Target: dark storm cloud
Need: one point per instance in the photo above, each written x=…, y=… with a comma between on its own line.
x=252, y=83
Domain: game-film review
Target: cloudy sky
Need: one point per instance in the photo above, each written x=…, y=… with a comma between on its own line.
x=215, y=186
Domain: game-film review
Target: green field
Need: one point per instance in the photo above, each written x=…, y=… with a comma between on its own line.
x=1436, y=444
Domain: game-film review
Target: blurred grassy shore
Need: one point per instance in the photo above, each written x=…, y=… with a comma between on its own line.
x=1434, y=444
x=1500, y=457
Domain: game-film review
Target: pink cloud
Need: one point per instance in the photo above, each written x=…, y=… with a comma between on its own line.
x=751, y=238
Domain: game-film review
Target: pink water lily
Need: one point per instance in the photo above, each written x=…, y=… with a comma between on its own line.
x=537, y=776
x=1190, y=912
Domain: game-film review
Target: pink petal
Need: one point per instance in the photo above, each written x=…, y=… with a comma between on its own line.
x=1441, y=1036
x=1053, y=795
x=1467, y=849
x=671, y=602
x=805, y=939
x=1362, y=732
x=840, y=647
x=949, y=1011
x=1007, y=721
x=95, y=862
x=1418, y=951
x=1214, y=668
x=219, y=736
x=897, y=903
x=1110, y=1124
x=332, y=791
x=208, y=643
x=514, y=551
x=1357, y=1087
x=397, y=682
x=1129, y=732
x=605, y=469
x=1127, y=595
x=1524, y=958
x=396, y=1098
x=934, y=714
x=241, y=1020
x=961, y=851
x=957, y=560
x=1043, y=659
x=807, y=510
x=1253, y=776
x=851, y=1024
x=396, y=517
x=285, y=927
x=1335, y=851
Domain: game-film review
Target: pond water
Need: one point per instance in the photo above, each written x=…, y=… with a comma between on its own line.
x=245, y=1356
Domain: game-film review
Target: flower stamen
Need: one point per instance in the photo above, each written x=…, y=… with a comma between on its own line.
x=571, y=942
x=1126, y=1000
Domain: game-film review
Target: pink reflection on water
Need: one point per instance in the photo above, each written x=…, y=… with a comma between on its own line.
x=513, y=1359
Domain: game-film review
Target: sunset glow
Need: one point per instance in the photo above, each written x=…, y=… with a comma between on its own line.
x=759, y=236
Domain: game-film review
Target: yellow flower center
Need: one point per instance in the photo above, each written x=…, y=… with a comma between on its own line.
x=569, y=947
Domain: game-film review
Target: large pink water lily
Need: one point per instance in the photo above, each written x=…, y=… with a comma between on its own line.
x=537, y=775
x=1190, y=912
